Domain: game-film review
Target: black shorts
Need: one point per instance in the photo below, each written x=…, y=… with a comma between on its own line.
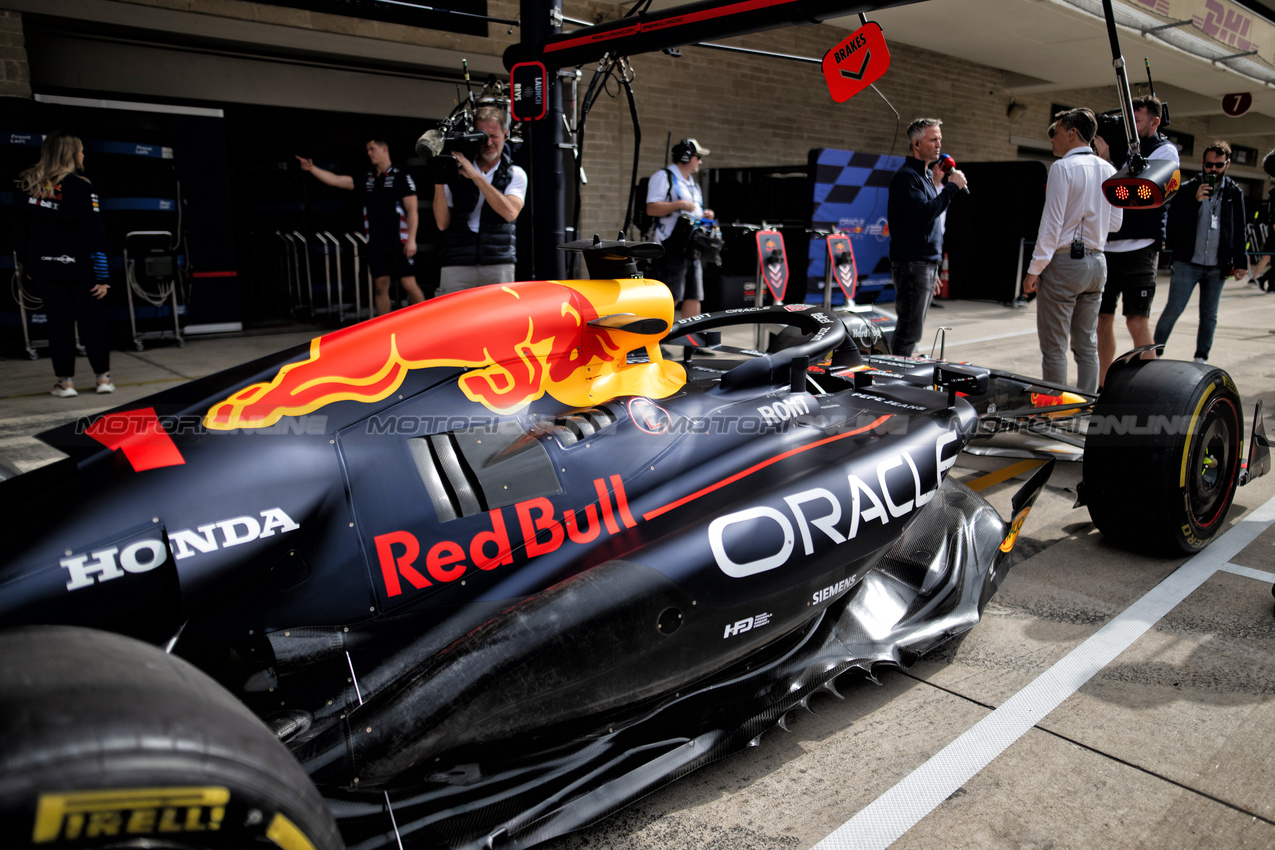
x=1130, y=274
x=386, y=259
x=681, y=276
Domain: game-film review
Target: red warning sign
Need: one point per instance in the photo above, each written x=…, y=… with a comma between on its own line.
x=772, y=265
x=856, y=63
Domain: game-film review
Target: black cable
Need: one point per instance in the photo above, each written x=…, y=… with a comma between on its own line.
x=590, y=97
x=637, y=148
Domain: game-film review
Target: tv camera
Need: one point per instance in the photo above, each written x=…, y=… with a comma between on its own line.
x=455, y=134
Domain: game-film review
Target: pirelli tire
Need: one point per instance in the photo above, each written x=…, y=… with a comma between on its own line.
x=1163, y=454
x=107, y=742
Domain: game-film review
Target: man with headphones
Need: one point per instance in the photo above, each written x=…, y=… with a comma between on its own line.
x=916, y=234
x=671, y=194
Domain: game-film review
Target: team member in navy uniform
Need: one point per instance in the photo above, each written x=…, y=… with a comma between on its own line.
x=60, y=242
x=1133, y=252
x=914, y=212
x=389, y=218
x=477, y=210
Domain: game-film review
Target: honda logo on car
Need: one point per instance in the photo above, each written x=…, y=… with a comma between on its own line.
x=820, y=509
x=144, y=555
x=234, y=531
x=140, y=556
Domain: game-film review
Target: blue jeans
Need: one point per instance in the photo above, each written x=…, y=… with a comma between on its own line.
x=1181, y=285
x=913, y=288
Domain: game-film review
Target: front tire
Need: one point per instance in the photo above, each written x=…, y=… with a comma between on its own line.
x=107, y=742
x=1163, y=455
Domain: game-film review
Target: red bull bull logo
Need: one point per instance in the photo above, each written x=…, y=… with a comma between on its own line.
x=1063, y=399
x=518, y=341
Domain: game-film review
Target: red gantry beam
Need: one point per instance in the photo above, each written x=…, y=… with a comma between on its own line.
x=686, y=24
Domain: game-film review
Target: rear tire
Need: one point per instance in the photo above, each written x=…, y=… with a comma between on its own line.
x=1163, y=454
x=109, y=742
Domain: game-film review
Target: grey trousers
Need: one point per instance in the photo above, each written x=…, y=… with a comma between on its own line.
x=1070, y=292
x=457, y=278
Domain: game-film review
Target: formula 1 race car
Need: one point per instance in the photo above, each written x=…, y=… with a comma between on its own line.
x=484, y=570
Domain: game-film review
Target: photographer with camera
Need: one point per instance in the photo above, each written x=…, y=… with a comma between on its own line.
x=389, y=217
x=477, y=209
x=1206, y=236
x=1133, y=252
x=674, y=200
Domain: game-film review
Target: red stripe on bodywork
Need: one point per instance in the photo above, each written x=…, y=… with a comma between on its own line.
x=765, y=463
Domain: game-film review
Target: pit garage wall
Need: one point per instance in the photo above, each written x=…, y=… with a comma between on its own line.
x=748, y=110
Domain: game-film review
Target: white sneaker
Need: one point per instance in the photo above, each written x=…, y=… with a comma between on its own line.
x=105, y=386
x=1200, y=360
x=63, y=389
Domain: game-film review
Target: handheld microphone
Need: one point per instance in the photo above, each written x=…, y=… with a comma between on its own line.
x=946, y=164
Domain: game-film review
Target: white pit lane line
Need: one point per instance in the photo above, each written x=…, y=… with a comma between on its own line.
x=886, y=819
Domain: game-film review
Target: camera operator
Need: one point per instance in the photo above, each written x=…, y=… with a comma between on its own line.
x=476, y=211
x=390, y=218
x=1206, y=236
x=670, y=195
x=1134, y=250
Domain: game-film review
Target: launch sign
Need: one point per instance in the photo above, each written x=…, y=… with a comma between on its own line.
x=529, y=91
x=856, y=63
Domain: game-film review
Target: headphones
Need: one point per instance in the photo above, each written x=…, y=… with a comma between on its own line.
x=683, y=151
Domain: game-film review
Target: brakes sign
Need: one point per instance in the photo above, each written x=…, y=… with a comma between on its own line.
x=856, y=63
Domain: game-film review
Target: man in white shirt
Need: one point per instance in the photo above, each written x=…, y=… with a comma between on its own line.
x=671, y=194
x=1068, y=267
x=477, y=210
x=1133, y=254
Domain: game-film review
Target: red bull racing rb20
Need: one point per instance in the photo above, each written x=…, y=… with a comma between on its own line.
x=484, y=570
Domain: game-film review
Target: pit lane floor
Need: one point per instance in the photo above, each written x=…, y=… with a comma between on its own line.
x=1107, y=699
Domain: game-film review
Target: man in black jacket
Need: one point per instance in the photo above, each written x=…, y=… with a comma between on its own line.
x=916, y=235
x=1206, y=236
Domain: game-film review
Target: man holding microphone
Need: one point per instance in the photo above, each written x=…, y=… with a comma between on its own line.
x=914, y=214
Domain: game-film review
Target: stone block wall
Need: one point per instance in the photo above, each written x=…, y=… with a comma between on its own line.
x=15, y=76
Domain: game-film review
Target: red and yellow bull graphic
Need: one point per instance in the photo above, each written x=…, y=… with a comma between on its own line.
x=1042, y=400
x=519, y=341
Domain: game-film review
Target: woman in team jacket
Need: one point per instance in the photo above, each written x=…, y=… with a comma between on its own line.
x=60, y=242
